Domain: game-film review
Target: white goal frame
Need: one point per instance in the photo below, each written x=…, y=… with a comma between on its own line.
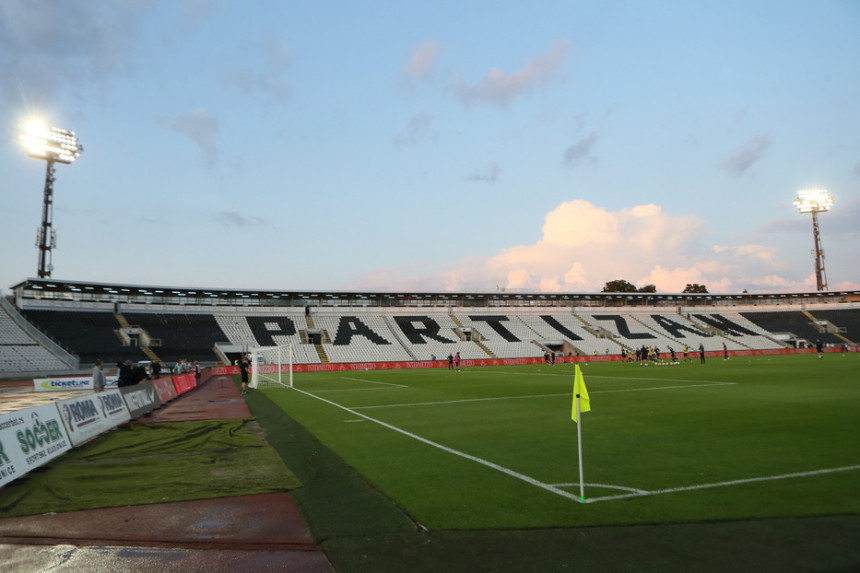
x=270, y=373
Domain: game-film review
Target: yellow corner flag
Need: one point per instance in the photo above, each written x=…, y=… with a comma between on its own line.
x=580, y=390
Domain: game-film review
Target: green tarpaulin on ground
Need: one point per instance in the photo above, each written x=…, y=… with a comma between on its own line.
x=139, y=464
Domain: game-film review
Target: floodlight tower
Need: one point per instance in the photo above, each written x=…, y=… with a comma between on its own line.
x=815, y=201
x=54, y=145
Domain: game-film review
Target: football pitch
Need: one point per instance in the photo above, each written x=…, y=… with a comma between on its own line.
x=495, y=447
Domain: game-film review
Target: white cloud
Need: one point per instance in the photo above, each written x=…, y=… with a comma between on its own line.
x=747, y=156
x=583, y=246
x=417, y=130
x=421, y=64
x=488, y=175
x=264, y=72
x=234, y=219
x=200, y=127
x=50, y=49
x=501, y=88
x=580, y=152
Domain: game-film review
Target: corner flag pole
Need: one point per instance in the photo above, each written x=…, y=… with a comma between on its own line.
x=581, y=403
x=579, y=442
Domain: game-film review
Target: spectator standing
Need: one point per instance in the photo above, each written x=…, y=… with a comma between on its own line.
x=819, y=347
x=243, y=371
x=99, y=380
x=701, y=353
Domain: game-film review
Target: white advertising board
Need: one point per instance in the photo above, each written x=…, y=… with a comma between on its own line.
x=85, y=417
x=69, y=383
x=28, y=439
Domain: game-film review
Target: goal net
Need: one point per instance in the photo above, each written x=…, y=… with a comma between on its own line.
x=272, y=367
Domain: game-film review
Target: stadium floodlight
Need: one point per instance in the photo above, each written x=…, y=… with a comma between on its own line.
x=815, y=201
x=54, y=145
x=51, y=143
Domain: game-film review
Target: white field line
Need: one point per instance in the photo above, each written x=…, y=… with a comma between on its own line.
x=389, y=384
x=476, y=459
x=603, y=485
x=590, y=392
x=590, y=376
x=644, y=493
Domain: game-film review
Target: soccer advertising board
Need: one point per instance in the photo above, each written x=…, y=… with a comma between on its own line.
x=88, y=416
x=28, y=439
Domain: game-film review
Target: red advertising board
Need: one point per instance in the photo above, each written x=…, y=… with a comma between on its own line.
x=184, y=382
x=358, y=366
x=165, y=388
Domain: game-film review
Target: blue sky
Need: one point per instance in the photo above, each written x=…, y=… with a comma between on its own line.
x=435, y=145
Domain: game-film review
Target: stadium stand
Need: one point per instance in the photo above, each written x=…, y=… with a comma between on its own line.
x=90, y=334
x=20, y=352
x=795, y=326
x=366, y=327
x=191, y=336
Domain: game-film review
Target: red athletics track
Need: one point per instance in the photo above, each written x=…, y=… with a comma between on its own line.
x=237, y=534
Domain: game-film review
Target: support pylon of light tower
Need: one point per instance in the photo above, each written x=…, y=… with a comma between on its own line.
x=47, y=239
x=820, y=273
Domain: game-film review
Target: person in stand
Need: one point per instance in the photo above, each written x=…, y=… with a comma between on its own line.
x=701, y=353
x=99, y=379
x=243, y=371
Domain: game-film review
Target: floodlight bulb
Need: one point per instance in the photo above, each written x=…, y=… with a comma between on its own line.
x=35, y=126
x=813, y=200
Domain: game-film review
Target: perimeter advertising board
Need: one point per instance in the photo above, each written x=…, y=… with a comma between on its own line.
x=28, y=439
x=88, y=416
x=184, y=382
x=165, y=388
x=69, y=383
x=140, y=399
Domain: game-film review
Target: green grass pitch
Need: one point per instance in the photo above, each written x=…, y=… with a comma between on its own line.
x=495, y=448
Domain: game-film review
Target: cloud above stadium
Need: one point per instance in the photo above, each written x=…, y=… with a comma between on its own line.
x=417, y=130
x=265, y=63
x=42, y=58
x=583, y=246
x=421, y=65
x=200, y=127
x=500, y=88
x=748, y=155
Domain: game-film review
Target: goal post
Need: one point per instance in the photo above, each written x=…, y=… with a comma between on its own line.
x=272, y=367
